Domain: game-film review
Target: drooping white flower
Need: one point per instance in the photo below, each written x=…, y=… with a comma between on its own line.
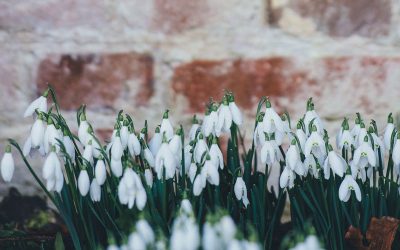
x=301, y=136
x=149, y=177
x=166, y=126
x=185, y=231
x=194, y=129
x=269, y=152
x=116, y=167
x=287, y=178
x=315, y=144
x=357, y=172
x=349, y=184
x=51, y=137
x=155, y=141
x=100, y=171
x=116, y=149
x=135, y=242
x=187, y=151
x=130, y=189
x=69, y=147
x=52, y=172
x=334, y=162
x=175, y=145
x=95, y=191
x=124, y=133
x=83, y=182
x=224, y=118
x=37, y=132
x=200, y=149
x=387, y=136
x=96, y=147
x=311, y=165
x=83, y=129
x=271, y=121
x=364, y=155
x=165, y=161
x=312, y=117
x=259, y=134
x=211, y=240
x=88, y=153
x=236, y=114
x=210, y=172
x=7, y=165
x=216, y=155
x=293, y=160
x=241, y=191
x=39, y=104
x=133, y=144
x=210, y=122
x=148, y=156
x=192, y=171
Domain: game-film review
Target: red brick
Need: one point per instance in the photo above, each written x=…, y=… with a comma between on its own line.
x=370, y=18
x=340, y=85
x=96, y=79
x=248, y=79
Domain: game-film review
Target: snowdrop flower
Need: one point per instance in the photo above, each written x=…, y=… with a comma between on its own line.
x=52, y=172
x=210, y=240
x=301, y=136
x=209, y=173
x=259, y=134
x=116, y=167
x=166, y=126
x=364, y=155
x=334, y=162
x=185, y=232
x=236, y=114
x=269, y=151
x=100, y=171
x=133, y=144
x=124, y=134
x=130, y=188
x=192, y=171
x=193, y=130
x=357, y=172
x=135, y=242
x=165, y=160
x=346, y=140
x=271, y=121
x=155, y=142
x=279, y=135
x=116, y=149
x=224, y=117
x=37, y=132
x=379, y=146
x=200, y=149
x=311, y=164
x=40, y=104
x=83, y=182
x=310, y=243
x=396, y=151
x=175, y=145
x=95, y=191
x=293, y=160
x=349, y=184
x=356, y=129
x=187, y=152
x=88, y=153
x=241, y=191
x=51, y=136
x=148, y=156
x=148, y=175
x=287, y=178
x=315, y=144
x=216, y=155
x=7, y=165
x=69, y=146
x=83, y=129
x=312, y=117
x=387, y=136
x=210, y=123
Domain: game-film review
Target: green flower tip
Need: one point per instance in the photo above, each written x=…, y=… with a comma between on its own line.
x=90, y=142
x=165, y=115
x=53, y=148
x=299, y=125
x=194, y=120
x=158, y=129
x=179, y=131
x=345, y=124
x=330, y=148
x=208, y=157
x=390, y=118
x=8, y=149
x=82, y=116
x=310, y=104
x=201, y=136
x=293, y=142
x=46, y=92
x=314, y=128
x=272, y=137
x=50, y=121
x=267, y=103
x=260, y=117
x=126, y=123
x=266, y=136
x=164, y=138
x=366, y=138
x=214, y=140
x=362, y=125
x=371, y=130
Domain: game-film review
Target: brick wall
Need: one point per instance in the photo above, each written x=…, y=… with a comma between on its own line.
x=145, y=56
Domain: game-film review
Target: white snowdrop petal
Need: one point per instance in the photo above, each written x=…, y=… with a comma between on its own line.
x=7, y=167
x=83, y=182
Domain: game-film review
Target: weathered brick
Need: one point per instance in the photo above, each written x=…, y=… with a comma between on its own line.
x=340, y=86
x=97, y=80
x=370, y=18
x=248, y=79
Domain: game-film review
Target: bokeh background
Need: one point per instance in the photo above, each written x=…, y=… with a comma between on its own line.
x=146, y=56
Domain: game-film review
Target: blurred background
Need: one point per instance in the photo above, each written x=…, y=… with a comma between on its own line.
x=146, y=56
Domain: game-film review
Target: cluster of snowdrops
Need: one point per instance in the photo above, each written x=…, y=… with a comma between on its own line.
x=169, y=189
